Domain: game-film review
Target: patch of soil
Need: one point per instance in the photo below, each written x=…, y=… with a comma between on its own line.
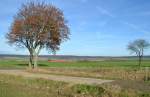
x=130, y=84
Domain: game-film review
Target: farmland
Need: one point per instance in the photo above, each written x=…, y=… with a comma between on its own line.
x=107, y=69
x=129, y=79
x=85, y=63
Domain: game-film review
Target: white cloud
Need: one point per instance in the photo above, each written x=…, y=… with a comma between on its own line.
x=131, y=25
x=104, y=11
x=136, y=27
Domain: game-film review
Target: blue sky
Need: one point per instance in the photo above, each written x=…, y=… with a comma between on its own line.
x=98, y=27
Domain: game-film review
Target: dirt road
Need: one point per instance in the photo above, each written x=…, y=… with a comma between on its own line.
x=68, y=79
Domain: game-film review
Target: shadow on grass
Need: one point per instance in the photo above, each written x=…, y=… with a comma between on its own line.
x=24, y=64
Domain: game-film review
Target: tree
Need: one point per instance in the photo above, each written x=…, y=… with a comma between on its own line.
x=37, y=26
x=138, y=47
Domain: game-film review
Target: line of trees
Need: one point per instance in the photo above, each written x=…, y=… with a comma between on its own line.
x=39, y=25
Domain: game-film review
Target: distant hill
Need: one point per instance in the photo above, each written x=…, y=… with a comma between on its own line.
x=71, y=57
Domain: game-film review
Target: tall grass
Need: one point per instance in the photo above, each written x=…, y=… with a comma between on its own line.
x=15, y=86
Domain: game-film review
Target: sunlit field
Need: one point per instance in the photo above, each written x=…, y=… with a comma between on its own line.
x=130, y=80
x=13, y=86
x=108, y=69
x=76, y=64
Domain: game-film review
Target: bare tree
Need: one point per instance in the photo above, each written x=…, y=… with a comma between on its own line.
x=137, y=47
x=37, y=26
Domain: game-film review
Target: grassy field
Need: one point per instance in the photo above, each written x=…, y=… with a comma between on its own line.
x=76, y=64
x=16, y=86
x=129, y=79
x=11, y=86
x=109, y=69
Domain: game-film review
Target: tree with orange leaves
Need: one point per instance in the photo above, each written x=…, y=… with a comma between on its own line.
x=37, y=26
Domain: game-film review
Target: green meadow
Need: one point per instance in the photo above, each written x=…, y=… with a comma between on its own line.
x=129, y=79
x=6, y=63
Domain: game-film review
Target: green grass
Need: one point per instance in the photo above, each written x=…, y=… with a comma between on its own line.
x=88, y=90
x=12, y=63
x=76, y=64
x=109, y=69
x=17, y=86
x=11, y=86
x=95, y=64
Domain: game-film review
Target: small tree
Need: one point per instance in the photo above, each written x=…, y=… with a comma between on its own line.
x=138, y=47
x=37, y=26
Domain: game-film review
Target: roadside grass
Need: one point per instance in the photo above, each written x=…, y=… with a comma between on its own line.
x=102, y=73
x=17, y=86
x=12, y=86
x=88, y=90
x=108, y=69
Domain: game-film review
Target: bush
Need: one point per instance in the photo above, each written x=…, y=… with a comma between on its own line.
x=88, y=90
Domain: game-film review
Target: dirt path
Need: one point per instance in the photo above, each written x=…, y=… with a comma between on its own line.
x=69, y=79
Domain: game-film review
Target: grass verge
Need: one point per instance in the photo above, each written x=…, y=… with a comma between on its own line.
x=17, y=86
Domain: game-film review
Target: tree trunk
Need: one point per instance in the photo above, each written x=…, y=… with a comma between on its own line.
x=140, y=60
x=31, y=60
x=35, y=60
x=36, y=53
